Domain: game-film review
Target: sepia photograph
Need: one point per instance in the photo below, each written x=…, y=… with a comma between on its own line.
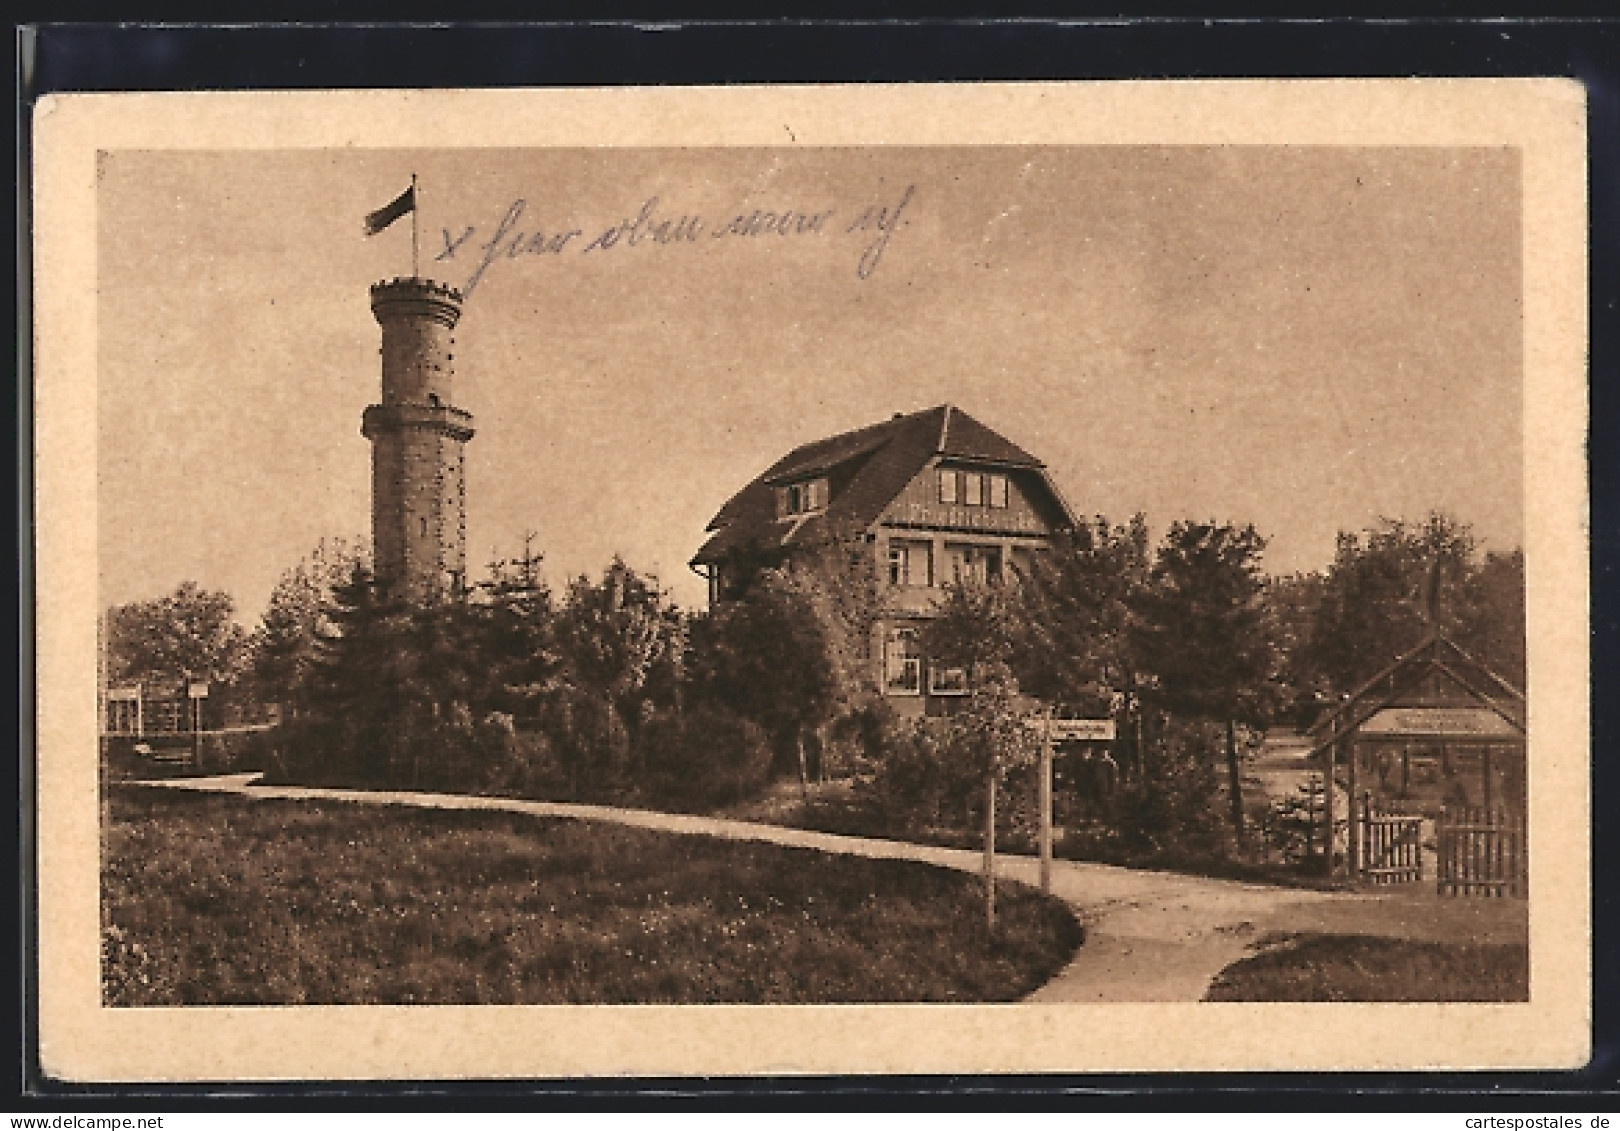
x=762, y=556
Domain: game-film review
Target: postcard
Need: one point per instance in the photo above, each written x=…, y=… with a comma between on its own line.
x=980, y=578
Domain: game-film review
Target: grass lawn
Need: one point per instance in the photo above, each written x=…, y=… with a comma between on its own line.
x=223, y=900
x=1321, y=967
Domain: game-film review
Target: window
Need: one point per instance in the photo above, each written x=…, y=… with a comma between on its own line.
x=902, y=663
x=911, y=563
x=802, y=498
x=973, y=488
x=972, y=564
x=947, y=681
x=998, y=490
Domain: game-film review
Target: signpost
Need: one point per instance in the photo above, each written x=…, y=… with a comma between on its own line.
x=196, y=692
x=1046, y=807
x=1053, y=730
x=990, y=850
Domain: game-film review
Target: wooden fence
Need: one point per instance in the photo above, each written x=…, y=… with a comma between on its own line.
x=1482, y=852
x=1389, y=845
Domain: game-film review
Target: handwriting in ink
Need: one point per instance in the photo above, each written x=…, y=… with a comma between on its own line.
x=886, y=222
x=650, y=226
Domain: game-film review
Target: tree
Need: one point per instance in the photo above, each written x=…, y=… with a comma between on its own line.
x=1201, y=634
x=977, y=623
x=1291, y=604
x=771, y=658
x=811, y=611
x=978, y=629
x=1494, y=631
x=188, y=634
x=519, y=636
x=1375, y=602
x=356, y=689
x=1076, y=601
x=614, y=638
x=284, y=645
x=837, y=577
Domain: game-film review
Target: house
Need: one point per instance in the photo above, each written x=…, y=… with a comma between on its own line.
x=940, y=499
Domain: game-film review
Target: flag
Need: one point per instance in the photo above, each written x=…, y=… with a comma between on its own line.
x=388, y=213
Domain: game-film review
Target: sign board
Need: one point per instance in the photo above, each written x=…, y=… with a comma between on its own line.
x=1075, y=730
x=1083, y=730
x=197, y=691
x=1439, y=722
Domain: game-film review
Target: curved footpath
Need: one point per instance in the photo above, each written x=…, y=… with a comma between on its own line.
x=1150, y=936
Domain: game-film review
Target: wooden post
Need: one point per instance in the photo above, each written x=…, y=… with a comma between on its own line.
x=990, y=849
x=1352, y=852
x=1046, y=806
x=1327, y=799
x=196, y=728
x=804, y=772
x=1485, y=767
x=1310, y=823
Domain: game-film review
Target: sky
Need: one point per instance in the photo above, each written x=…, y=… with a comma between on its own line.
x=1302, y=338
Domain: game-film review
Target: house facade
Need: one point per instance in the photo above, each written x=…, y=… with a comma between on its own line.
x=937, y=499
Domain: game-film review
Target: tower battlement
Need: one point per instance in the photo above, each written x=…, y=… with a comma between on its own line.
x=406, y=297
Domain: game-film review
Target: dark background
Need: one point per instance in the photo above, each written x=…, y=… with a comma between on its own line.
x=1088, y=43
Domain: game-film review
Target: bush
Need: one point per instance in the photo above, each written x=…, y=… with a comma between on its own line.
x=233, y=753
x=705, y=757
x=590, y=742
x=1172, y=807
x=917, y=782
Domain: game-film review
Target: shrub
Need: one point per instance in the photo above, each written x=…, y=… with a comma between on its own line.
x=591, y=744
x=232, y=753
x=1172, y=807
x=707, y=756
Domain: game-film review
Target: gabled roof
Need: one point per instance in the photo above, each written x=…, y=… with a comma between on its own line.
x=873, y=465
x=1436, y=654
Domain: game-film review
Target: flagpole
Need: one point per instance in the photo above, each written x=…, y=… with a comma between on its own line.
x=416, y=208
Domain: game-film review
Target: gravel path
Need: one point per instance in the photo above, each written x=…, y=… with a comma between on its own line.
x=1150, y=936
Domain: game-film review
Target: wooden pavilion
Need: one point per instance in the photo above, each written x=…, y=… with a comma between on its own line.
x=1436, y=728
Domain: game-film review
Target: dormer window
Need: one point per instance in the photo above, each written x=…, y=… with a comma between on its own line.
x=802, y=498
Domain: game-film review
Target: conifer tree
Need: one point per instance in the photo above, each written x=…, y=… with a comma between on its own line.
x=1200, y=631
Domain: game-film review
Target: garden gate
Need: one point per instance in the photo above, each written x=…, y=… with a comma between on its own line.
x=1482, y=852
x=1390, y=844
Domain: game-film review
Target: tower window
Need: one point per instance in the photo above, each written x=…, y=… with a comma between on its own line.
x=424, y=527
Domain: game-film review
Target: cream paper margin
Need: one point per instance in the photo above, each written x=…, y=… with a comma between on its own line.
x=1544, y=118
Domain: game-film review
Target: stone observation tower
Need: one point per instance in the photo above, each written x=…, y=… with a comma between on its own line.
x=418, y=438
